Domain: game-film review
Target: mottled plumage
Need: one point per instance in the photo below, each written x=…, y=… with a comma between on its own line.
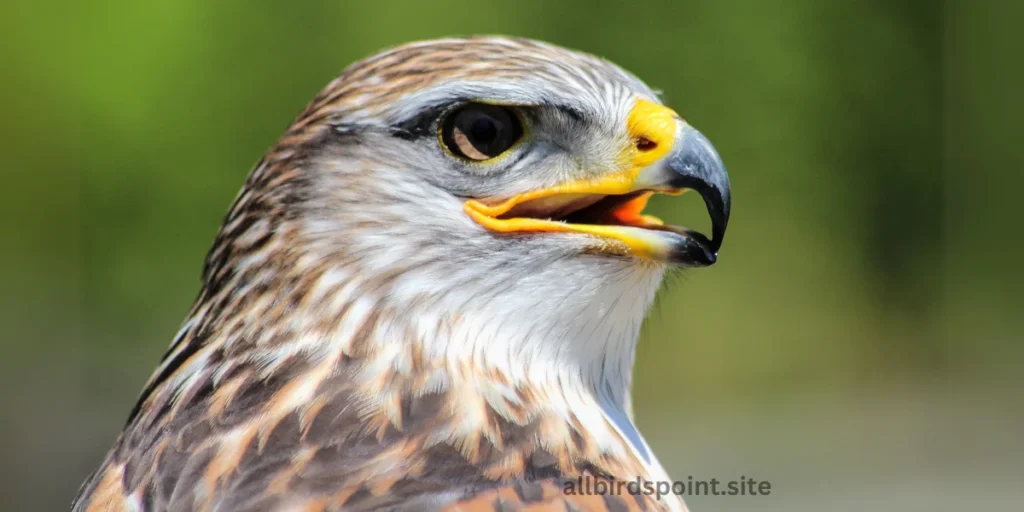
x=374, y=331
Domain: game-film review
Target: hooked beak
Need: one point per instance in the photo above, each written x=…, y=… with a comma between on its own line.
x=667, y=156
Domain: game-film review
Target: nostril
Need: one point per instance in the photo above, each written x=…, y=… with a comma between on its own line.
x=644, y=144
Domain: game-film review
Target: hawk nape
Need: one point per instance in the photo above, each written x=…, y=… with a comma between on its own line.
x=427, y=296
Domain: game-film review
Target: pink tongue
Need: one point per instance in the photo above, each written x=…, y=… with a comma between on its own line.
x=553, y=207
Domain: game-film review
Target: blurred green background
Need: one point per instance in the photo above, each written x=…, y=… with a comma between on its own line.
x=858, y=345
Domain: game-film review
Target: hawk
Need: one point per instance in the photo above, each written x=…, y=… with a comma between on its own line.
x=427, y=296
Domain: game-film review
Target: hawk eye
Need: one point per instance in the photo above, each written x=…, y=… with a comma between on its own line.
x=478, y=131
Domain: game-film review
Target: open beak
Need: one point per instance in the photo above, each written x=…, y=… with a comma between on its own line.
x=666, y=156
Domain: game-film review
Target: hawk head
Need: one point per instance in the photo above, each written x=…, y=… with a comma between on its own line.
x=454, y=221
x=483, y=199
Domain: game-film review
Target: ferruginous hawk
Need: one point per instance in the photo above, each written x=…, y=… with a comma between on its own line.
x=427, y=296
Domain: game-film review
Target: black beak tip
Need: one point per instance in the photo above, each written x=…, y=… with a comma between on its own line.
x=694, y=250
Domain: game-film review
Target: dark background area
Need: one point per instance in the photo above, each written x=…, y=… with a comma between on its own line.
x=859, y=344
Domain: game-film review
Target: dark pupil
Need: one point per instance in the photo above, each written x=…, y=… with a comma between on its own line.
x=482, y=132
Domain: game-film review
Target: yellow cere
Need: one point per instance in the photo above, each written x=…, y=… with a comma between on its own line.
x=655, y=123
